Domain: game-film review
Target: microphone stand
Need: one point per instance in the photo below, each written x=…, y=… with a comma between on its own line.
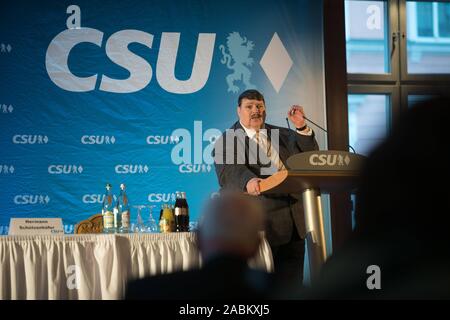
x=324, y=130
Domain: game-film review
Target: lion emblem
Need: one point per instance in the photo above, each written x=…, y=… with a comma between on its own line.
x=239, y=49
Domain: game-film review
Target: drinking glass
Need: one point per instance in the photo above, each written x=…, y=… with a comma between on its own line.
x=151, y=225
x=139, y=226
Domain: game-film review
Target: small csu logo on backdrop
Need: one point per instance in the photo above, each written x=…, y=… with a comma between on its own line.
x=30, y=139
x=6, y=108
x=24, y=199
x=157, y=139
x=131, y=168
x=65, y=169
x=195, y=168
x=236, y=56
x=7, y=169
x=5, y=48
x=96, y=139
x=162, y=197
x=93, y=198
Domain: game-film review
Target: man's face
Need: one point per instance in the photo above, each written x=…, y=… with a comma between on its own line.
x=252, y=113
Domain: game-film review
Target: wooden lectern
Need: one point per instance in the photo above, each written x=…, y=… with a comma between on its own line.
x=310, y=173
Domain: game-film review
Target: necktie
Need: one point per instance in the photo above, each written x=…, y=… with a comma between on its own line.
x=271, y=153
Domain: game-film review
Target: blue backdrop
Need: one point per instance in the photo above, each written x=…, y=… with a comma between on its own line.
x=136, y=91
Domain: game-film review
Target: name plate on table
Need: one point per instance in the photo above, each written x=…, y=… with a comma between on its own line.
x=35, y=226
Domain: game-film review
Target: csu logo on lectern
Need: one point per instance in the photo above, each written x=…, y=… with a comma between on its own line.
x=329, y=160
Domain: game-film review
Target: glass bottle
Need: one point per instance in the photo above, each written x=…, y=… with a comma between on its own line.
x=123, y=207
x=161, y=212
x=178, y=213
x=107, y=210
x=167, y=222
x=185, y=212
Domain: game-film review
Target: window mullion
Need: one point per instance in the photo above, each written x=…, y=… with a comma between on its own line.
x=435, y=21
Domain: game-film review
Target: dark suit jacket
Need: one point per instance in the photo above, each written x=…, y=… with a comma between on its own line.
x=223, y=278
x=284, y=211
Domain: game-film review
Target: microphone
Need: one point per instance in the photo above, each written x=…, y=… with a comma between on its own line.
x=287, y=121
x=315, y=124
x=324, y=130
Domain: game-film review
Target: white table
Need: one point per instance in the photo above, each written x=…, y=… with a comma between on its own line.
x=95, y=266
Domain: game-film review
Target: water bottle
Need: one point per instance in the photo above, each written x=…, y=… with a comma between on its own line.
x=123, y=211
x=107, y=210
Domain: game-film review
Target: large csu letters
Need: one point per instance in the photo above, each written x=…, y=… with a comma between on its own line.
x=141, y=73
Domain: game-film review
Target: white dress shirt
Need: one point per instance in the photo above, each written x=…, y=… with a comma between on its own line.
x=260, y=137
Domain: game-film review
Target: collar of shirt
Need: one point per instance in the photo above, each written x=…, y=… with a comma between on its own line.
x=251, y=133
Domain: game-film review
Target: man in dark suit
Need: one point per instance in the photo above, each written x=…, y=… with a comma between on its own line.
x=251, y=150
x=228, y=235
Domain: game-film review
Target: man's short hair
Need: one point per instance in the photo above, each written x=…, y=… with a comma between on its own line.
x=251, y=94
x=230, y=223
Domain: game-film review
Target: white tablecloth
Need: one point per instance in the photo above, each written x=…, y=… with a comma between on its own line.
x=95, y=266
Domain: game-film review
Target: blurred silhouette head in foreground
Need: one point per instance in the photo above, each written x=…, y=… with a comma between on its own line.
x=230, y=225
x=401, y=186
x=402, y=216
x=228, y=235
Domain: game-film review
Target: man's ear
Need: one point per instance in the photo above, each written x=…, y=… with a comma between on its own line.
x=238, y=110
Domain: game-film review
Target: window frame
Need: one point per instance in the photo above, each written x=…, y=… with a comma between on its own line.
x=392, y=91
x=407, y=90
x=405, y=76
x=393, y=52
x=337, y=96
x=413, y=25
